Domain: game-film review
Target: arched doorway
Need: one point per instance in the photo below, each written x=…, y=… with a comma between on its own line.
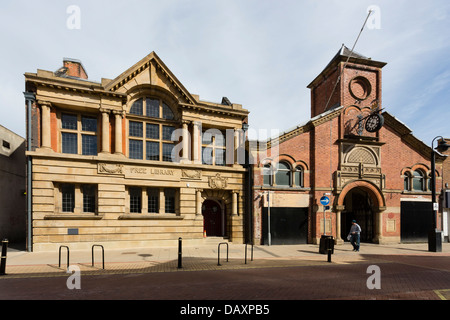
x=358, y=206
x=213, y=218
x=364, y=202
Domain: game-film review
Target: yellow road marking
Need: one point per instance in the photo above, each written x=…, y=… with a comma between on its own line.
x=443, y=294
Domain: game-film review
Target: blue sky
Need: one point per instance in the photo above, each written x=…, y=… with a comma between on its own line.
x=261, y=54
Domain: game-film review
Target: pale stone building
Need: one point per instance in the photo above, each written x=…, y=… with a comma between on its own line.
x=134, y=161
x=12, y=184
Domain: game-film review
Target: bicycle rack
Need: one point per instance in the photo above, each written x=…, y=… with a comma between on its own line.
x=103, y=254
x=68, y=254
x=246, y=253
x=218, y=253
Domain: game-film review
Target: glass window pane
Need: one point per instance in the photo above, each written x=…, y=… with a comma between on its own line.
x=135, y=200
x=69, y=121
x=89, y=124
x=136, y=129
x=406, y=183
x=89, y=145
x=137, y=107
x=152, y=150
x=219, y=139
x=207, y=138
x=298, y=176
x=135, y=149
x=283, y=175
x=89, y=192
x=167, y=132
x=153, y=200
x=69, y=143
x=152, y=108
x=220, y=157
x=152, y=131
x=167, y=112
x=68, y=197
x=169, y=195
x=167, y=152
x=207, y=155
x=267, y=172
x=418, y=184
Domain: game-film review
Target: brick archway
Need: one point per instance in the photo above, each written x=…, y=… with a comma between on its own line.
x=377, y=198
x=374, y=192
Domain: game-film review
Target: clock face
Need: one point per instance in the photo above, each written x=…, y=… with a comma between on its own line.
x=374, y=123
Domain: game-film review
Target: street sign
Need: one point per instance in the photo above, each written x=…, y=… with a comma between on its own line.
x=325, y=201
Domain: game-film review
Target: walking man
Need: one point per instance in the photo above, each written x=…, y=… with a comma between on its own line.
x=355, y=236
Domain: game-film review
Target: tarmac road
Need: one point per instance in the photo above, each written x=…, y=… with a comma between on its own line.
x=406, y=277
x=283, y=280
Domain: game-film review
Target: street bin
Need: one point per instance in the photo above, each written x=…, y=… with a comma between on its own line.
x=326, y=242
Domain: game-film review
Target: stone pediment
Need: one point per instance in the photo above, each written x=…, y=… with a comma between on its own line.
x=150, y=71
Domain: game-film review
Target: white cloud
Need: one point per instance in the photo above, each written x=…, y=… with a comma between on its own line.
x=261, y=54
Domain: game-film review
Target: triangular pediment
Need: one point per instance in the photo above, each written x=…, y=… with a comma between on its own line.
x=151, y=70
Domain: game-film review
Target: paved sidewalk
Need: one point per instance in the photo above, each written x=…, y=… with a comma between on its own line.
x=22, y=264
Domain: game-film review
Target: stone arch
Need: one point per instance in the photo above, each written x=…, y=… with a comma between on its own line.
x=362, y=155
x=377, y=199
x=373, y=191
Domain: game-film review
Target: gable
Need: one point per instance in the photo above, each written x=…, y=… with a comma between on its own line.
x=150, y=71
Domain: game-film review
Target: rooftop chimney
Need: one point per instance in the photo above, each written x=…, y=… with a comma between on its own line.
x=75, y=68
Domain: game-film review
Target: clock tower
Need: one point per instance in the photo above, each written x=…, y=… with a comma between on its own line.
x=346, y=97
x=351, y=81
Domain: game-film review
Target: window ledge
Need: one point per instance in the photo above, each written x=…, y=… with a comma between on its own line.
x=155, y=216
x=73, y=217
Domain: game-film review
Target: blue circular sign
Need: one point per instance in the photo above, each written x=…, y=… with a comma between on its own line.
x=325, y=201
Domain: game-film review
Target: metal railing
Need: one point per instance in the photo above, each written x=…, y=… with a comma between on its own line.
x=68, y=254
x=246, y=252
x=218, y=252
x=103, y=254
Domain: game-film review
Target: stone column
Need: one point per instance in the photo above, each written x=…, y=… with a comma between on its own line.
x=185, y=142
x=144, y=205
x=195, y=141
x=78, y=200
x=339, y=210
x=234, y=203
x=46, y=125
x=237, y=134
x=105, y=130
x=118, y=132
x=198, y=200
x=162, y=201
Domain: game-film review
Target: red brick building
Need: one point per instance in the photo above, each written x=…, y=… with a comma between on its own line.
x=378, y=174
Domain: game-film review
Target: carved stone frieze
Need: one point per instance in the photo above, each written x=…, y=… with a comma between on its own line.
x=218, y=182
x=110, y=168
x=191, y=174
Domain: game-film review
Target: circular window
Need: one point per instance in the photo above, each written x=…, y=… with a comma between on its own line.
x=360, y=88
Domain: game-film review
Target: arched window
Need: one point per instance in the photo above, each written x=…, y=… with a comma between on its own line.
x=267, y=174
x=298, y=177
x=283, y=174
x=150, y=129
x=407, y=182
x=418, y=181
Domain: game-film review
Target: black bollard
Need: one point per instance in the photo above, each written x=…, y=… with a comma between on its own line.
x=329, y=254
x=180, y=253
x=3, y=259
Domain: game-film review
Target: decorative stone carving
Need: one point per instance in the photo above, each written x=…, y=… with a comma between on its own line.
x=218, y=182
x=110, y=168
x=191, y=174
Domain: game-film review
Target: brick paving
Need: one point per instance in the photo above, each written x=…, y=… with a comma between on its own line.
x=408, y=272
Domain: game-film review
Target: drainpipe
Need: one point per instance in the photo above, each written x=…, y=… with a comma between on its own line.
x=30, y=98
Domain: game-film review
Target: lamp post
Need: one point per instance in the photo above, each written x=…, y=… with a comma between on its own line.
x=248, y=188
x=434, y=237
